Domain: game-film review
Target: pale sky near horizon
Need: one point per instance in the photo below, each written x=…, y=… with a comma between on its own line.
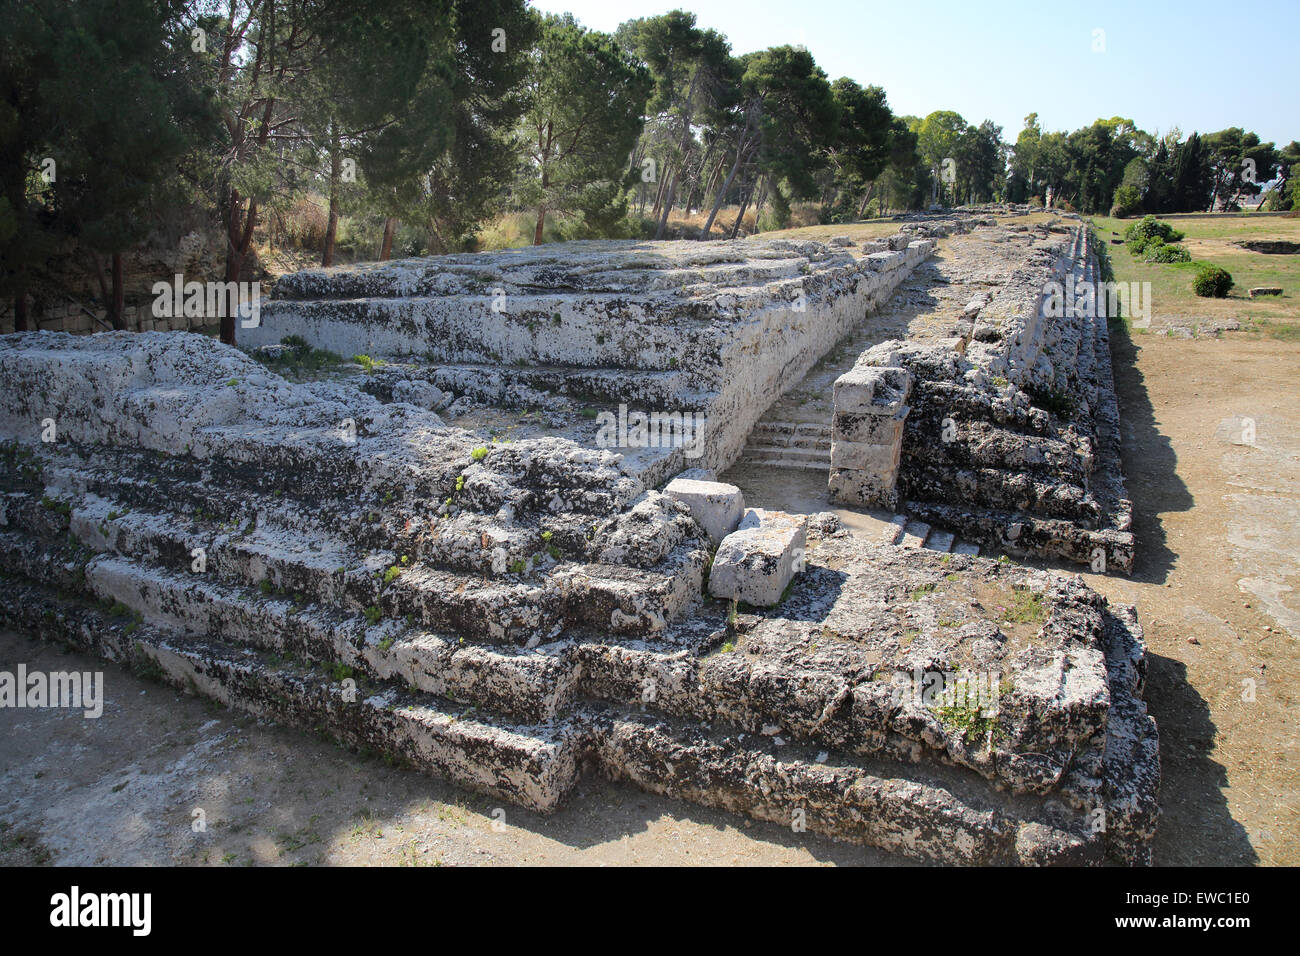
x=1186, y=63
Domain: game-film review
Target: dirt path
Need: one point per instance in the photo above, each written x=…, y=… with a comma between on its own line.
x=1217, y=585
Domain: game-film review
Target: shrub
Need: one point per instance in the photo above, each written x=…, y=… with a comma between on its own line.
x=304, y=224
x=1138, y=246
x=1149, y=227
x=1159, y=252
x=1126, y=202
x=1211, y=282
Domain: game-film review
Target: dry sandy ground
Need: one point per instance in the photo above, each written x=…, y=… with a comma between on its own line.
x=1217, y=586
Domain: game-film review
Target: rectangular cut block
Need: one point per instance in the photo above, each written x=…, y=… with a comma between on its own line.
x=883, y=261
x=868, y=388
x=756, y=562
x=915, y=533
x=852, y=487
x=716, y=505
x=940, y=541
x=868, y=428
x=880, y=459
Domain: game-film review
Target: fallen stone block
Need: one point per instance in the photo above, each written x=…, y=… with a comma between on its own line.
x=756, y=562
x=715, y=505
x=1264, y=290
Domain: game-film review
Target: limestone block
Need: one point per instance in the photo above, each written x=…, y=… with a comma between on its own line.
x=421, y=394
x=881, y=459
x=868, y=427
x=716, y=505
x=865, y=388
x=756, y=562
x=852, y=487
x=883, y=261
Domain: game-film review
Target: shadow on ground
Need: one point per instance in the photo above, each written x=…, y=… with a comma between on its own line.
x=1150, y=462
x=1196, y=827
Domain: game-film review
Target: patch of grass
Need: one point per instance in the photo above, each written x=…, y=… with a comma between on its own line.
x=966, y=720
x=1059, y=403
x=368, y=363
x=340, y=672
x=1026, y=607
x=922, y=591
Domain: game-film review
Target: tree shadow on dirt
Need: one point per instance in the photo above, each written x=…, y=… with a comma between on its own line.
x=1196, y=827
x=1150, y=462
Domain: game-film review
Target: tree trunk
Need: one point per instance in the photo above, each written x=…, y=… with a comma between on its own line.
x=735, y=229
x=332, y=230
x=862, y=209
x=541, y=224
x=20, y=310
x=386, y=248
x=661, y=187
x=741, y=149
x=237, y=245
x=117, y=301
x=667, y=206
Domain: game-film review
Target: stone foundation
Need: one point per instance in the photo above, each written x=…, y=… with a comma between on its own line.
x=513, y=614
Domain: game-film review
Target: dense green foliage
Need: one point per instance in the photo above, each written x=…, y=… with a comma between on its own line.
x=366, y=128
x=1212, y=282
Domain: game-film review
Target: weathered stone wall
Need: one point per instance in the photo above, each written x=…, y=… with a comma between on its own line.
x=721, y=328
x=1007, y=433
x=508, y=614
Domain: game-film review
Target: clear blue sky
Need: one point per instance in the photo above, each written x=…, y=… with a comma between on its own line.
x=1195, y=64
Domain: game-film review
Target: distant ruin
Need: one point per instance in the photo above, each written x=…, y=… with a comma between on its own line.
x=437, y=552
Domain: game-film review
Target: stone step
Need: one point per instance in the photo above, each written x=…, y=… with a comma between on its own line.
x=790, y=453
x=894, y=533
x=519, y=607
x=965, y=547
x=533, y=766
x=789, y=433
x=914, y=534
x=939, y=540
x=793, y=464
x=929, y=810
x=530, y=686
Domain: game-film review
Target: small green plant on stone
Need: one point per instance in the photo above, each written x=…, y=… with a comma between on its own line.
x=340, y=672
x=1026, y=607
x=965, y=719
x=922, y=591
x=373, y=615
x=478, y=454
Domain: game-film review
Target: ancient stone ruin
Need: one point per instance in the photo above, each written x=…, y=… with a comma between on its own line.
x=476, y=549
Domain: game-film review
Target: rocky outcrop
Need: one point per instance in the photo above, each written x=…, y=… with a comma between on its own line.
x=509, y=615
